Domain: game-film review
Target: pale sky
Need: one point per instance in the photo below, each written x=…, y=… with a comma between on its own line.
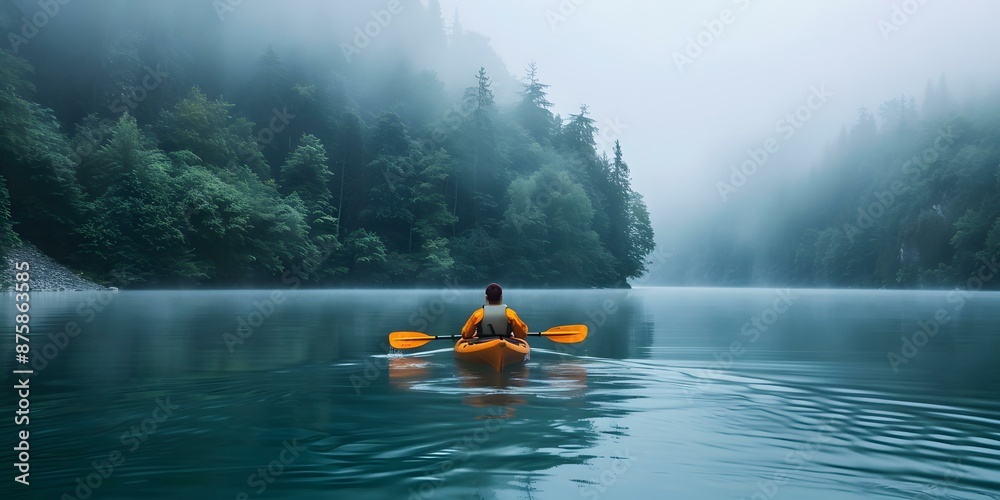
x=682, y=130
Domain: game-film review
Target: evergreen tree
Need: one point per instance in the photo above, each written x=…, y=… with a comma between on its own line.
x=478, y=103
x=135, y=238
x=533, y=111
x=206, y=128
x=269, y=88
x=188, y=189
x=577, y=136
x=45, y=200
x=126, y=153
x=270, y=96
x=556, y=232
x=307, y=174
x=216, y=221
x=937, y=100
x=432, y=219
x=350, y=157
x=388, y=182
x=365, y=255
x=619, y=202
x=640, y=237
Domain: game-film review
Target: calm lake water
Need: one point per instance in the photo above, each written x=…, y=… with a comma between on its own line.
x=677, y=393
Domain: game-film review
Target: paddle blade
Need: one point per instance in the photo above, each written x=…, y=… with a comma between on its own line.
x=566, y=334
x=408, y=340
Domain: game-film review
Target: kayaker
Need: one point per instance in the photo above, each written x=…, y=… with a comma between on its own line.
x=494, y=318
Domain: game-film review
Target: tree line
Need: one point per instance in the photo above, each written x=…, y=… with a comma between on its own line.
x=161, y=183
x=908, y=196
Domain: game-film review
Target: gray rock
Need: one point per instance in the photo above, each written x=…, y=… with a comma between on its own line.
x=46, y=274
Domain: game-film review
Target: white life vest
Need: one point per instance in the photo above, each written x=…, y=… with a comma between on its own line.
x=495, y=322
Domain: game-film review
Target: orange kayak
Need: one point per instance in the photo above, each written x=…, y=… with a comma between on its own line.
x=493, y=351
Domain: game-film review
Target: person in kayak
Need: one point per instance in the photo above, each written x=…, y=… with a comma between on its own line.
x=494, y=319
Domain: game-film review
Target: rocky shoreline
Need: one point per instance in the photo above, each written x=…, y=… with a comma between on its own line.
x=47, y=275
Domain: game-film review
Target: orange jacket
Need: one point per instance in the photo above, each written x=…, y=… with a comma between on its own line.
x=520, y=328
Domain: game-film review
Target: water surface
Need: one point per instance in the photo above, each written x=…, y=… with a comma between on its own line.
x=677, y=393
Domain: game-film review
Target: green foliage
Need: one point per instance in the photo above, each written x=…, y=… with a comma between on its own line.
x=306, y=173
x=549, y=217
x=533, y=111
x=127, y=152
x=279, y=232
x=478, y=100
x=433, y=220
x=217, y=217
x=577, y=136
x=365, y=255
x=640, y=237
x=910, y=200
x=205, y=128
x=349, y=157
x=320, y=174
x=45, y=200
x=136, y=238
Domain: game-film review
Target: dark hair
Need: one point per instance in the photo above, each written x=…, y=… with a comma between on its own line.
x=494, y=292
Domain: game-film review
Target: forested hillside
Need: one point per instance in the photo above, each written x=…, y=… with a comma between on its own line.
x=132, y=150
x=907, y=197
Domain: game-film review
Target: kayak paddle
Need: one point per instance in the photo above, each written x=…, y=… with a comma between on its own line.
x=564, y=334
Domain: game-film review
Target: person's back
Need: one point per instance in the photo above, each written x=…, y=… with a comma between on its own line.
x=494, y=319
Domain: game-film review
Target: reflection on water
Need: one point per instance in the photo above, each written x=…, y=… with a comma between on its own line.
x=405, y=371
x=700, y=393
x=486, y=387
